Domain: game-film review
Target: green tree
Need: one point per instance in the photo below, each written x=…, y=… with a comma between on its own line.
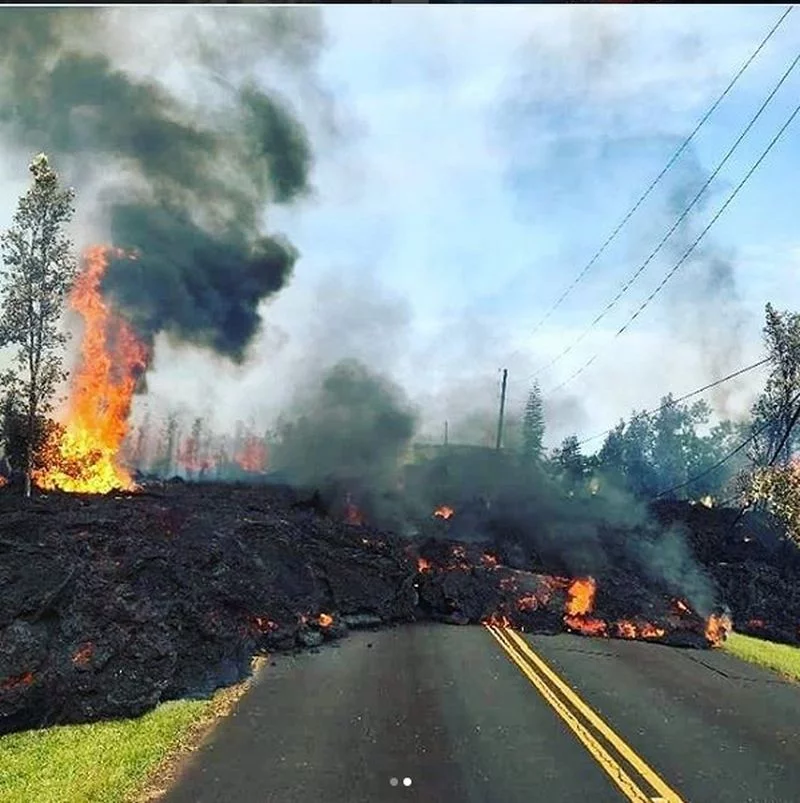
x=38, y=270
x=570, y=462
x=774, y=409
x=533, y=425
x=676, y=445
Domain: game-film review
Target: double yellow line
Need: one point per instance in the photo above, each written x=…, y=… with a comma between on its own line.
x=618, y=760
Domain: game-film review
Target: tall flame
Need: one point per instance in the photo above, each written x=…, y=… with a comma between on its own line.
x=85, y=457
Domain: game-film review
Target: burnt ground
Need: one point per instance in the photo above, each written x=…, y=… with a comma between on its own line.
x=112, y=604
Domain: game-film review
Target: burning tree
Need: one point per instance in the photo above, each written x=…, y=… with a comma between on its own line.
x=38, y=269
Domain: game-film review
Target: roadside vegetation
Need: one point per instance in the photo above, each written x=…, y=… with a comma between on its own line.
x=117, y=761
x=781, y=658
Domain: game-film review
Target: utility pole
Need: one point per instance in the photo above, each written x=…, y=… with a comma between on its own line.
x=502, y=410
x=445, y=433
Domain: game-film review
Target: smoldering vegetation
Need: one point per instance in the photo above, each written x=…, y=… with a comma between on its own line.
x=182, y=186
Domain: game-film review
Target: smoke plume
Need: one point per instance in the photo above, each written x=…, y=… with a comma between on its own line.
x=182, y=184
x=348, y=434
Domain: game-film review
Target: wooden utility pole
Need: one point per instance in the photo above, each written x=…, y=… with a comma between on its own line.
x=502, y=410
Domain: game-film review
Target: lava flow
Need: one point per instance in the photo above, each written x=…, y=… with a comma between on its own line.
x=579, y=605
x=84, y=457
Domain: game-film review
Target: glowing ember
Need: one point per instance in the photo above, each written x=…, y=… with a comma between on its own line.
x=253, y=455
x=84, y=458
x=15, y=682
x=637, y=630
x=681, y=606
x=489, y=561
x=443, y=512
x=325, y=620
x=264, y=625
x=83, y=654
x=497, y=620
x=717, y=628
x=528, y=602
x=423, y=565
x=3, y=481
x=352, y=515
x=586, y=625
x=581, y=596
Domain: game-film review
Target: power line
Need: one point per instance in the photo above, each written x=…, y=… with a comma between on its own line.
x=685, y=397
x=691, y=248
x=741, y=446
x=627, y=284
x=663, y=172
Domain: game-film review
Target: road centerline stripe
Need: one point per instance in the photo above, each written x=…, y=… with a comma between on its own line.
x=571, y=709
x=638, y=763
x=616, y=773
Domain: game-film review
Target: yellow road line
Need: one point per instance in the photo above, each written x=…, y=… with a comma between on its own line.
x=599, y=753
x=538, y=673
x=669, y=794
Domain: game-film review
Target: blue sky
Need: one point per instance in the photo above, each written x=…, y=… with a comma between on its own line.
x=487, y=153
x=469, y=160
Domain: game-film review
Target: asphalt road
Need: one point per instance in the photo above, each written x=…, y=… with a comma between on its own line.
x=468, y=716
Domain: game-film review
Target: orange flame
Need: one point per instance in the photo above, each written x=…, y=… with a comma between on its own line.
x=637, y=630
x=443, y=512
x=717, y=628
x=423, y=565
x=253, y=455
x=580, y=596
x=3, y=481
x=85, y=456
x=325, y=620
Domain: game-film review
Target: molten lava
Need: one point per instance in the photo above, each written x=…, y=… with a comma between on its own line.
x=443, y=512
x=579, y=604
x=497, y=620
x=581, y=596
x=84, y=458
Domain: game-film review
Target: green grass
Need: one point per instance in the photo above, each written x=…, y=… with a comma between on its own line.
x=782, y=658
x=103, y=761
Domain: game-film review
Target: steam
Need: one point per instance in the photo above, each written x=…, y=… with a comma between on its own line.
x=186, y=182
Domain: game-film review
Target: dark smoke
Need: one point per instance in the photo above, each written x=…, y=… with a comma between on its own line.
x=348, y=435
x=189, y=186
